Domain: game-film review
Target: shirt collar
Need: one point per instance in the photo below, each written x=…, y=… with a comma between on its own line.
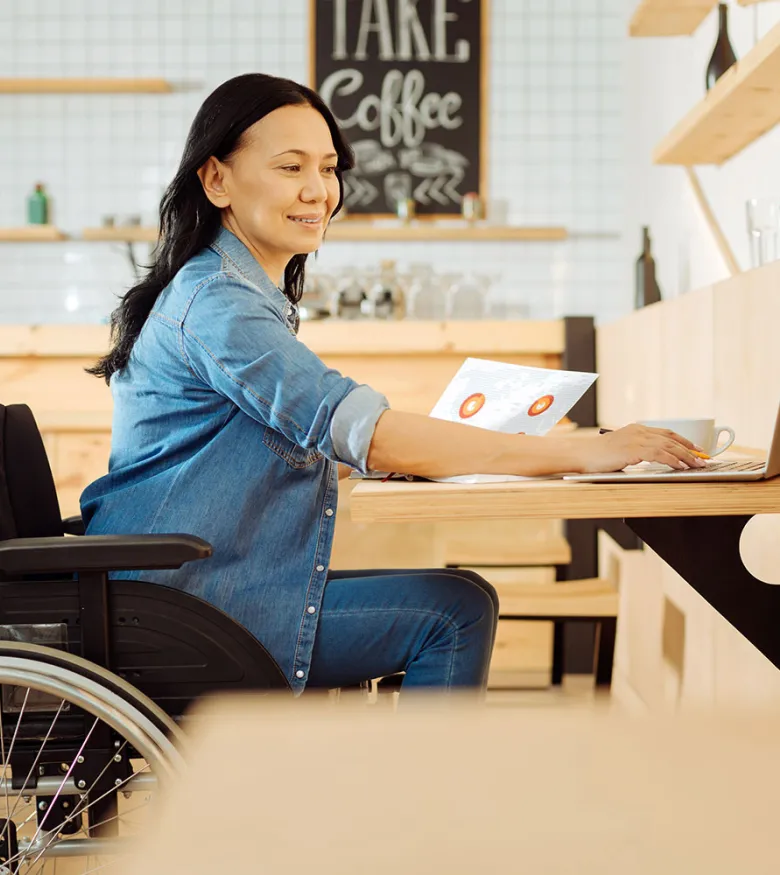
x=233, y=250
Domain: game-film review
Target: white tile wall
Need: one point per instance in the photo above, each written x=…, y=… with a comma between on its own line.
x=664, y=79
x=555, y=142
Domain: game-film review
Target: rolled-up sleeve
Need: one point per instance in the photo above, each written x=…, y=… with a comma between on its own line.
x=353, y=424
x=236, y=341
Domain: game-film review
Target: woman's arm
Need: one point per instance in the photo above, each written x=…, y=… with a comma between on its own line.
x=410, y=443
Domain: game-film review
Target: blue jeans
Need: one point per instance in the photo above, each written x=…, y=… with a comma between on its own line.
x=437, y=625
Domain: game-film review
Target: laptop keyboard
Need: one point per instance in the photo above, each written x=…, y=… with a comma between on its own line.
x=712, y=466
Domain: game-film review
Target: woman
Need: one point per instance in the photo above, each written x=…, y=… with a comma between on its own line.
x=226, y=426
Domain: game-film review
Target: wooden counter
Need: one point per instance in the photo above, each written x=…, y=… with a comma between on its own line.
x=409, y=361
x=712, y=352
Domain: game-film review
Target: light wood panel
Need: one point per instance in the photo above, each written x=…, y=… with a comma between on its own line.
x=76, y=460
x=746, y=354
x=742, y=105
x=355, y=231
x=360, y=545
x=398, y=501
x=84, y=86
x=483, y=782
x=669, y=17
x=503, y=542
x=522, y=655
x=126, y=234
x=518, y=595
x=637, y=576
x=330, y=337
x=32, y=234
x=658, y=363
x=81, y=341
x=345, y=337
x=628, y=356
x=46, y=386
x=709, y=353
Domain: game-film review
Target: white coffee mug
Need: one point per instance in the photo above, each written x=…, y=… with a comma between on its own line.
x=702, y=432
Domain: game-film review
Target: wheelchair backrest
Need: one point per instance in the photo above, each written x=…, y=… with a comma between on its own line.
x=28, y=499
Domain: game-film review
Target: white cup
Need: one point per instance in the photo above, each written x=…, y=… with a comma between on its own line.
x=702, y=432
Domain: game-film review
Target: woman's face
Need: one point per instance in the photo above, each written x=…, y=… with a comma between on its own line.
x=279, y=189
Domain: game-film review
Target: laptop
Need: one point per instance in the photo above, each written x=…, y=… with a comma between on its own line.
x=716, y=471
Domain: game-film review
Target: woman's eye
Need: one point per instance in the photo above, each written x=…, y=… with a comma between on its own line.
x=292, y=167
x=330, y=170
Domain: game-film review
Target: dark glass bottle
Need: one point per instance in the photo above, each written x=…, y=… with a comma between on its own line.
x=646, y=287
x=722, y=55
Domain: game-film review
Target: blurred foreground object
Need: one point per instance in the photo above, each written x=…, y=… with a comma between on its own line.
x=306, y=787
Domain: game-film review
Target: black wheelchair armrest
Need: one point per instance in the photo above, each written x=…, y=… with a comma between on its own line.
x=100, y=553
x=73, y=525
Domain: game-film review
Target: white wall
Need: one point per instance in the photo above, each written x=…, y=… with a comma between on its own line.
x=555, y=141
x=664, y=78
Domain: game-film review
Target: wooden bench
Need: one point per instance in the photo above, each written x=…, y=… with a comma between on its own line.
x=521, y=597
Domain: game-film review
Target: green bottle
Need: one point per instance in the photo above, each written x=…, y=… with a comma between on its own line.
x=38, y=207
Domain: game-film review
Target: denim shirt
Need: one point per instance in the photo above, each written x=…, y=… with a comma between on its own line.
x=226, y=426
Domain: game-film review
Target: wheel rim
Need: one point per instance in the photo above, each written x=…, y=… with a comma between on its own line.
x=43, y=814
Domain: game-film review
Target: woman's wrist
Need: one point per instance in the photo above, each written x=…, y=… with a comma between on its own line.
x=551, y=455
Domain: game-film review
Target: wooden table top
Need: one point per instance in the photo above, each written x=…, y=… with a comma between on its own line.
x=401, y=501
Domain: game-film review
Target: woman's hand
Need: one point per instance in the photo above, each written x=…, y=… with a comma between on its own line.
x=634, y=444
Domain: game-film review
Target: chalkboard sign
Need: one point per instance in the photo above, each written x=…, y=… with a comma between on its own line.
x=406, y=82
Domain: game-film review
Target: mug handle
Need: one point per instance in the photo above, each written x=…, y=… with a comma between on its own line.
x=719, y=429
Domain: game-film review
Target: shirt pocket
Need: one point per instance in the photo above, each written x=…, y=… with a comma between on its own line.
x=294, y=455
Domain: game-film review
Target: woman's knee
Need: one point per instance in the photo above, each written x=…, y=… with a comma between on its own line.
x=473, y=598
x=478, y=581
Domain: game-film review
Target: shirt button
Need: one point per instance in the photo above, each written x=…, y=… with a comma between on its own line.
x=299, y=673
x=320, y=568
x=329, y=512
x=311, y=610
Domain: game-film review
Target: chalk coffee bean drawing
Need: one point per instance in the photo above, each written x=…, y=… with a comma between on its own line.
x=473, y=404
x=540, y=405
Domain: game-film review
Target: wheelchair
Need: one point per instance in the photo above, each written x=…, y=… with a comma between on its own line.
x=95, y=674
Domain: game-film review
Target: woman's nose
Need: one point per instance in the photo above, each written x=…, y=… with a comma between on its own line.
x=314, y=188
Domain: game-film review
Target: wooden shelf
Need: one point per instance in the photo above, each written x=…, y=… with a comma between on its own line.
x=592, y=597
x=127, y=234
x=355, y=231
x=84, y=86
x=669, y=17
x=31, y=234
x=742, y=106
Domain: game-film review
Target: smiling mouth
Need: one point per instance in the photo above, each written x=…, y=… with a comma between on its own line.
x=311, y=222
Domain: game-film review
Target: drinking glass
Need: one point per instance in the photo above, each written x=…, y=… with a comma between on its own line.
x=425, y=296
x=467, y=297
x=763, y=221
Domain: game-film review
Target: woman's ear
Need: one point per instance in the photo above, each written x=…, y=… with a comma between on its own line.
x=212, y=178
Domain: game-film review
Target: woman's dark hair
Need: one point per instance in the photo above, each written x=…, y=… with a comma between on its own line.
x=188, y=220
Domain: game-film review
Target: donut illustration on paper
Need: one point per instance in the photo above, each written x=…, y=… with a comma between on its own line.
x=472, y=405
x=540, y=405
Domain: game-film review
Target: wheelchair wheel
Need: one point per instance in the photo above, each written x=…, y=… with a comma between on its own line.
x=82, y=755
